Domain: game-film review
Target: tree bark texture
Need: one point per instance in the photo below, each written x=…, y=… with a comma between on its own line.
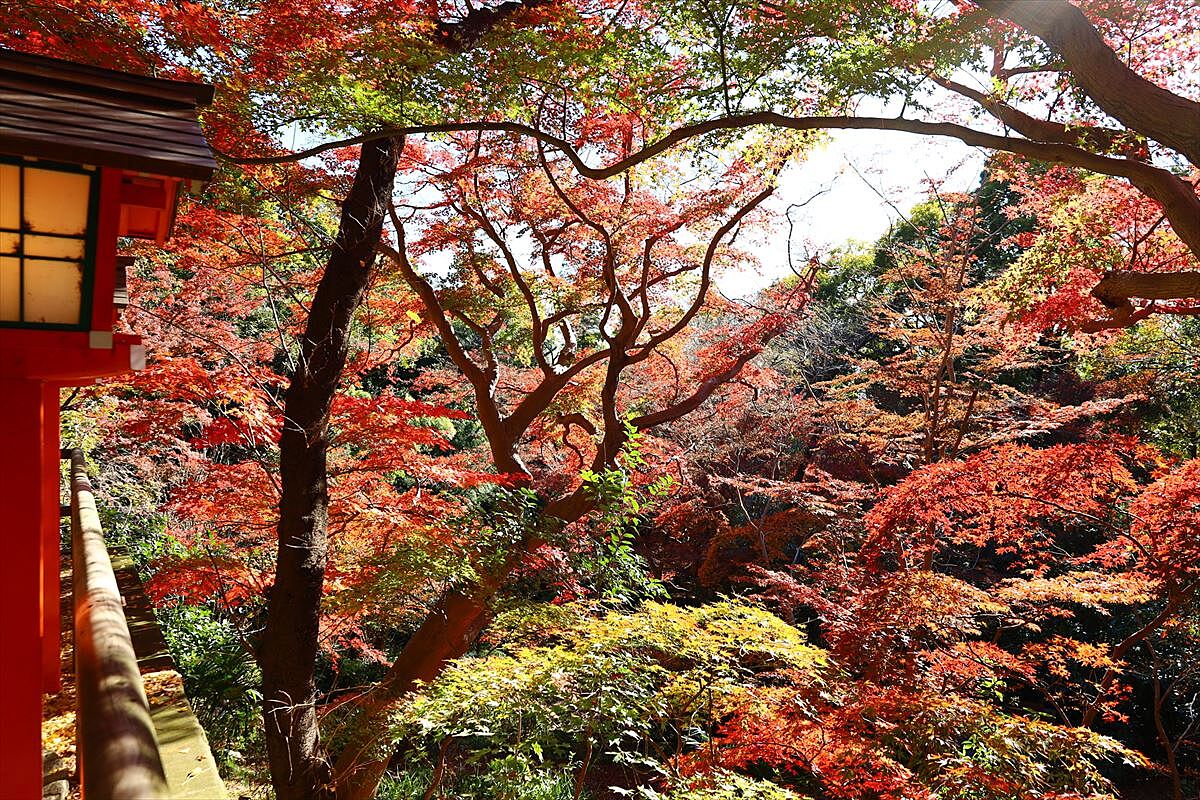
x=1116, y=289
x=1140, y=104
x=288, y=651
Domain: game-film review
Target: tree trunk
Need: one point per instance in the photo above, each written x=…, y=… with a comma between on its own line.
x=1140, y=104
x=446, y=633
x=288, y=650
x=1160, y=728
x=1116, y=289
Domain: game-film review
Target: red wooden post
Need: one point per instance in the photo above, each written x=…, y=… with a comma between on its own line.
x=108, y=219
x=51, y=555
x=54, y=334
x=21, y=445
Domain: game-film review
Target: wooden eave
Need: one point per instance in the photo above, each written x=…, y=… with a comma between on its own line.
x=63, y=111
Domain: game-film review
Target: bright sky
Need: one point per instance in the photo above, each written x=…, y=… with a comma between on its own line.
x=870, y=177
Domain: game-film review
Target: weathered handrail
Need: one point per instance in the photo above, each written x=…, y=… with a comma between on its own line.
x=118, y=752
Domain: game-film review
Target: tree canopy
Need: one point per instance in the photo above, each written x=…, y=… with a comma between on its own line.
x=454, y=473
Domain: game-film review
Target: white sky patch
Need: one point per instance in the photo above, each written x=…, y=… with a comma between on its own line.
x=871, y=177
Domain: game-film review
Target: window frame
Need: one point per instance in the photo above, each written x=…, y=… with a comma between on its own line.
x=87, y=263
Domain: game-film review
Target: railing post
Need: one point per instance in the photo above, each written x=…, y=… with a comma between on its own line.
x=118, y=752
x=51, y=550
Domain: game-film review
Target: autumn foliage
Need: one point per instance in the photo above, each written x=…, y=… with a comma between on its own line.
x=456, y=471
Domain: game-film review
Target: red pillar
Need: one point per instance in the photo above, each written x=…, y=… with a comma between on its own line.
x=51, y=480
x=21, y=470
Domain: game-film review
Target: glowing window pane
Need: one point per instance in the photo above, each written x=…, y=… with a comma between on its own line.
x=52, y=247
x=53, y=291
x=56, y=202
x=10, y=196
x=10, y=289
x=44, y=216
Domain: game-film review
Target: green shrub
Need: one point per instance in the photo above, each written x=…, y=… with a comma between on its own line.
x=220, y=678
x=503, y=779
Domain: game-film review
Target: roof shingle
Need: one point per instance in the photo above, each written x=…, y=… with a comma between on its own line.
x=64, y=111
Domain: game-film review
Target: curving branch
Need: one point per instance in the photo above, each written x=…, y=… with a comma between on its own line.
x=1118, y=289
x=1105, y=140
x=1138, y=103
x=482, y=380
x=537, y=327
x=1177, y=196
x=697, y=397
x=705, y=274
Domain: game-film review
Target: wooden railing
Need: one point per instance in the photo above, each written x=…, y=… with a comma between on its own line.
x=118, y=753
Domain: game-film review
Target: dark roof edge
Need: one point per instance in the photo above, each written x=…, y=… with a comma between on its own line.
x=185, y=92
x=197, y=169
